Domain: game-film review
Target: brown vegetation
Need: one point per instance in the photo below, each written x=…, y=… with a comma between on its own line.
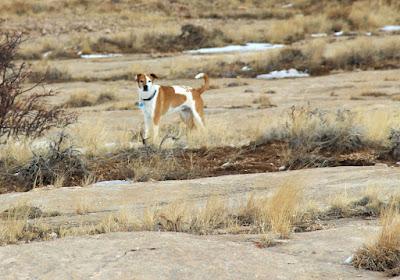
x=24, y=223
x=267, y=21
x=279, y=215
x=383, y=253
x=23, y=110
x=85, y=99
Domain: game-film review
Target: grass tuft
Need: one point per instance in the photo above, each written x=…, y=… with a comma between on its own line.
x=383, y=253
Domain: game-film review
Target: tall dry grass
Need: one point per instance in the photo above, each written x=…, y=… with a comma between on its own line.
x=16, y=151
x=277, y=215
x=23, y=222
x=383, y=252
x=283, y=208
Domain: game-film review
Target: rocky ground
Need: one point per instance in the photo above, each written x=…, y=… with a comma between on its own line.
x=160, y=255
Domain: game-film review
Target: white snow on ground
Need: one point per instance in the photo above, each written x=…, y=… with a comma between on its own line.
x=318, y=35
x=249, y=47
x=340, y=33
x=291, y=73
x=112, y=183
x=100, y=55
x=287, y=6
x=390, y=28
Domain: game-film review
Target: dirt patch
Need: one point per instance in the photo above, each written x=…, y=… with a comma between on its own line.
x=198, y=163
x=178, y=164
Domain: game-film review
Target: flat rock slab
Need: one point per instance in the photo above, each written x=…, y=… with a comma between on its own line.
x=167, y=255
x=319, y=184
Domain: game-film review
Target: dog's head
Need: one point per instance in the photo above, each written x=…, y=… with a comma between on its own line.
x=145, y=82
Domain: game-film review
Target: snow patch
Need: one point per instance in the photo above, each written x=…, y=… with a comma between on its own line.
x=100, y=55
x=291, y=73
x=249, y=47
x=290, y=5
x=112, y=183
x=390, y=28
x=319, y=35
x=339, y=33
x=199, y=76
x=349, y=260
x=246, y=68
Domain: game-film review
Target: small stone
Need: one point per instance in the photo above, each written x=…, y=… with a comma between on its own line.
x=53, y=235
x=349, y=260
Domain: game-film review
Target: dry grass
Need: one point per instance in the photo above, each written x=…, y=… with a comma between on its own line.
x=157, y=167
x=16, y=151
x=311, y=132
x=51, y=74
x=377, y=125
x=266, y=241
x=214, y=215
x=275, y=216
x=317, y=57
x=91, y=138
x=80, y=99
x=364, y=53
x=263, y=102
x=239, y=21
x=59, y=181
x=23, y=223
x=340, y=205
x=374, y=94
x=383, y=253
x=82, y=206
x=283, y=208
x=86, y=99
x=395, y=97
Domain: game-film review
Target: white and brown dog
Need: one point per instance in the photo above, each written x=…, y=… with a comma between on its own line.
x=156, y=101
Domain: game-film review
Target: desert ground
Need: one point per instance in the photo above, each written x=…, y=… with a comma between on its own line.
x=293, y=178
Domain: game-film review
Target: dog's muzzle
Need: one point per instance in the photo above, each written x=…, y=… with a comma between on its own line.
x=145, y=87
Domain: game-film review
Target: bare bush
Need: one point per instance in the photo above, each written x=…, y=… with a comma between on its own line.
x=60, y=160
x=191, y=36
x=311, y=134
x=23, y=110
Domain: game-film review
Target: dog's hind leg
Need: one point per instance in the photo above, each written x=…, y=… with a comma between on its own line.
x=187, y=118
x=198, y=119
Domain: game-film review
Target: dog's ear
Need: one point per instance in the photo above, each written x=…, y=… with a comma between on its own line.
x=153, y=76
x=136, y=77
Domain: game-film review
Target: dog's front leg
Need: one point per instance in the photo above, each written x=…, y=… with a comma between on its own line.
x=155, y=133
x=147, y=126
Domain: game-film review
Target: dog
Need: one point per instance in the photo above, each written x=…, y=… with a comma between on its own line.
x=157, y=101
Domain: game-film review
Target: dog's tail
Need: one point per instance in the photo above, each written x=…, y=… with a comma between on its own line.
x=206, y=85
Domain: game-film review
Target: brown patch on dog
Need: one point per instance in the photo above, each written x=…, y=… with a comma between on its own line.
x=199, y=105
x=167, y=98
x=153, y=76
x=141, y=80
